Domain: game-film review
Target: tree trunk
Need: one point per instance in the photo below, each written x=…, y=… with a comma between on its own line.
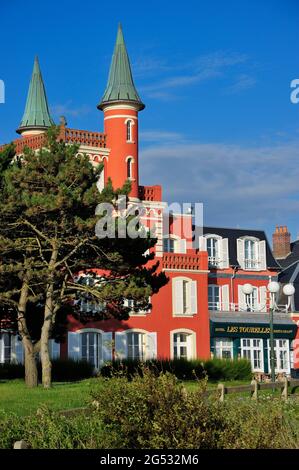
x=31, y=374
x=49, y=318
x=45, y=357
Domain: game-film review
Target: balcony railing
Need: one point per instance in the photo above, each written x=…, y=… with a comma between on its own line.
x=71, y=136
x=150, y=193
x=214, y=262
x=241, y=308
x=183, y=261
x=251, y=263
x=93, y=139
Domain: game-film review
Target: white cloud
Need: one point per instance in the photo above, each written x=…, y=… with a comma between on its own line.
x=68, y=109
x=191, y=72
x=238, y=184
x=243, y=82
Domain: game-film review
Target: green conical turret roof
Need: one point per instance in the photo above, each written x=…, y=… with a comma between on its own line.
x=36, y=115
x=120, y=86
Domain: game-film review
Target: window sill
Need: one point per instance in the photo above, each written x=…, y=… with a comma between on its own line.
x=184, y=315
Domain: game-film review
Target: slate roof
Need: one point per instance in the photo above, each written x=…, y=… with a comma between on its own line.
x=233, y=234
x=290, y=271
x=36, y=115
x=120, y=86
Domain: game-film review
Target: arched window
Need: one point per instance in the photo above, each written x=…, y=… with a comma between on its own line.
x=129, y=126
x=183, y=344
x=92, y=347
x=130, y=167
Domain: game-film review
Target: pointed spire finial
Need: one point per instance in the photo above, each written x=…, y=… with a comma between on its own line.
x=36, y=116
x=120, y=86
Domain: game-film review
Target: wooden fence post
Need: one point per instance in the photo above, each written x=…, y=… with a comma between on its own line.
x=254, y=392
x=221, y=391
x=284, y=390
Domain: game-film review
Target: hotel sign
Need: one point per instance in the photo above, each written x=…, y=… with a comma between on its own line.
x=262, y=330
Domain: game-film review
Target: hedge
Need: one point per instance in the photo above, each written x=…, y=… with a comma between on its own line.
x=63, y=370
x=213, y=369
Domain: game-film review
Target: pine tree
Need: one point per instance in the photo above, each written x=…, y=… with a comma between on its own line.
x=47, y=238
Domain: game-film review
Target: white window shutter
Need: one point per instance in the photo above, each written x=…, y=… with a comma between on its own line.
x=262, y=255
x=223, y=253
x=202, y=244
x=151, y=346
x=225, y=298
x=177, y=295
x=54, y=349
x=74, y=345
x=193, y=296
x=107, y=346
x=182, y=245
x=241, y=252
x=263, y=298
x=241, y=299
x=120, y=345
x=101, y=181
x=17, y=350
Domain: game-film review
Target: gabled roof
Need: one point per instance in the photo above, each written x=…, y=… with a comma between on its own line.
x=120, y=86
x=36, y=115
x=233, y=234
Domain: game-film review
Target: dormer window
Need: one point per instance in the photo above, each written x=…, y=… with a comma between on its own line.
x=213, y=251
x=251, y=258
x=217, y=248
x=252, y=253
x=172, y=244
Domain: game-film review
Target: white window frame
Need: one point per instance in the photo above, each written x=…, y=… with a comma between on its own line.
x=191, y=342
x=178, y=244
x=281, y=349
x=252, y=348
x=149, y=343
x=259, y=294
x=129, y=162
x=223, y=345
x=140, y=342
x=219, y=259
x=184, y=296
x=223, y=303
x=257, y=262
x=214, y=258
x=129, y=123
x=130, y=303
x=97, y=346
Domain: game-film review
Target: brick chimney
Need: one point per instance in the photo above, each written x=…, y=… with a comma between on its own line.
x=281, y=240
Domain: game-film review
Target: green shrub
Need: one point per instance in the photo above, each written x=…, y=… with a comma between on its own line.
x=63, y=370
x=214, y=369
x=158, y=412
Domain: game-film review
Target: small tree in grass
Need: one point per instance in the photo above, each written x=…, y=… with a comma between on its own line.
x=47, y=236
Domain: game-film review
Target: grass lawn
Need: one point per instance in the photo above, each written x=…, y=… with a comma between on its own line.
x=16, y=397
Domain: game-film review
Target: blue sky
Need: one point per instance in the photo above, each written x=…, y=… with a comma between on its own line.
x=219, y=126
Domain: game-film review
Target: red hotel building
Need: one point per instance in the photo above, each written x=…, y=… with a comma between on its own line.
x=202, y=310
